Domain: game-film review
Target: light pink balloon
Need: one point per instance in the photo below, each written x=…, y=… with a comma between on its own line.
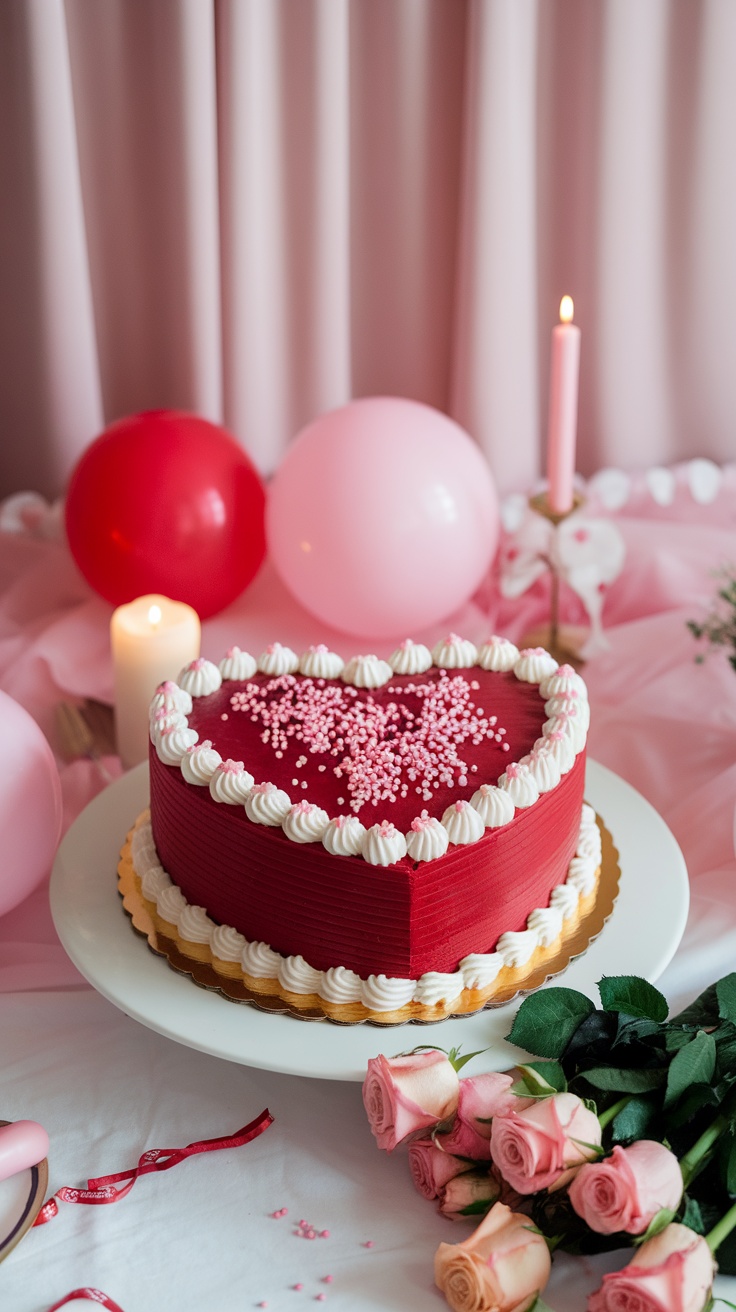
x=383, y=517
x=30, y=805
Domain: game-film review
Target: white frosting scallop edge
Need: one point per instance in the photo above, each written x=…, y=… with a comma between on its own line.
x=380, y=993
x=521, y=671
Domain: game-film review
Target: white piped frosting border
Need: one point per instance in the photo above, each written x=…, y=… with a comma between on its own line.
x=564, y=732
x=378, y=993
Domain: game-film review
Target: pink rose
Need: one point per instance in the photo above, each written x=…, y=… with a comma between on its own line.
x=626, y=1191
x=500, y=1268
x=542, y=1146
x=403, y=1095
x=467, y=1191
x=672, y=1272
x=481, y=1098
x=431, y=1168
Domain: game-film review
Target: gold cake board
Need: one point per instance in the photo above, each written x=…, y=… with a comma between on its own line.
x=511, y=982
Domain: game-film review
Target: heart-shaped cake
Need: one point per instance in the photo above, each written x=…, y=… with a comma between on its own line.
x=380, y=835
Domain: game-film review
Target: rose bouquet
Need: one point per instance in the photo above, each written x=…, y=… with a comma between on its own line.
x=623, y=1135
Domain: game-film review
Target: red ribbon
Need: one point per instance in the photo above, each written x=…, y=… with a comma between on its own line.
x=94, y=1296
x=102, y=1190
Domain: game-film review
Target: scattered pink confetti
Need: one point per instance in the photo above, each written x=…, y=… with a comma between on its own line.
x=324, y=1234
x=327, y=1280
x=368, y=1243
x=299, y=1285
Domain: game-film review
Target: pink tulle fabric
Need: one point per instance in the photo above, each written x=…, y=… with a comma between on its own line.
x=663, y=722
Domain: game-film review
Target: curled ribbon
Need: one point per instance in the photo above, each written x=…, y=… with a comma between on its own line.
x=94, y=1296
x=103, y=1190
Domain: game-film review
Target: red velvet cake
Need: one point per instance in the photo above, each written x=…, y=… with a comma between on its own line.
x=382, y=837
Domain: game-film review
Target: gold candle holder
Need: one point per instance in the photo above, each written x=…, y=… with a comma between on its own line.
x=563, y=641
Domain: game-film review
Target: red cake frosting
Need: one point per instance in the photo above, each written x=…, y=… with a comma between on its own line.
x=398, y=757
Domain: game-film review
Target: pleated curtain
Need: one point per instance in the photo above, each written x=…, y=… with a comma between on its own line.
x=259, y=209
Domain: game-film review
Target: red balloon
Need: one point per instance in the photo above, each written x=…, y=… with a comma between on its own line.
x=167, y=502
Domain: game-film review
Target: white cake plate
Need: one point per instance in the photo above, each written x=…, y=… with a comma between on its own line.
x=640, y=939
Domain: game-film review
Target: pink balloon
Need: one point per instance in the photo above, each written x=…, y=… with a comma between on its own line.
x=383, y=517
x=30, y=805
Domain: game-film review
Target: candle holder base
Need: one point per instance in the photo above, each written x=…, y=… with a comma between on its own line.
x=565, y=645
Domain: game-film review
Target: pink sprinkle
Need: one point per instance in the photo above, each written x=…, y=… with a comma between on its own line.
x=327, y=1279
x=284, y=1211
x=368, y=1243
x=263, y=1303
x=320, y=1298
x=224, y=715
x=325, y=1234
x=299, y=1285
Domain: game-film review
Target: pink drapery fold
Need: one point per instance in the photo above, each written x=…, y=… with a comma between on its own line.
x=256, y=209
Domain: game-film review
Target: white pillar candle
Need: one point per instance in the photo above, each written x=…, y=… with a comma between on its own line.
x=563, y=410
x=152, y=638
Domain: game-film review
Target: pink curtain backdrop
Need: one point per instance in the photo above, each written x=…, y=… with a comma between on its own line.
x=257, y=209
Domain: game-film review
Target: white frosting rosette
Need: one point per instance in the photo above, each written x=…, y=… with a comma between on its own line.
x=367, y=672
x=166, y=719
x=383, y=844
x=194, y=925
x=463, y=823
x=321, y=663
x=267, y=805
x=260, y=961
x=340, y=985
x=543, y=768
x=170, y=903
x=231, y=783
x=480, y=969
x=171, y=697
x=277, y=660
x=534, y=664
x=305, y=823
x=518, y=782
x=516, y=949
x=410, y=658
x=561, y=704
x=226, y=943
x=237, y=664
x=296, y=976
x=198, y=764
x=200, y=678
x=559, y=745
x=546, y=923
x=565, y=679
x=565, y=898
x=385, y=993
x=568, y=723
x=498, y=654
x=434, y=988
x=344, y=835
x=494, y=806
x=427, y=839
x=454, y=653
x=172, y=743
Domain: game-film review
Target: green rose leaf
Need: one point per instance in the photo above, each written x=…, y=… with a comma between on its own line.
x=458, y=1062
x=635, y=996
x=657, y=1224
x=545, y=1022
x=539, y=1305
x=619, y=1080
x=633, y=1120
x=726, y=994
x=703, y=1011
x=543, y=1078
x=693, y=1064
x=692, y=1216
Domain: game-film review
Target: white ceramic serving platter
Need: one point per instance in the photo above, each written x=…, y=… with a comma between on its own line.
x=640, y=939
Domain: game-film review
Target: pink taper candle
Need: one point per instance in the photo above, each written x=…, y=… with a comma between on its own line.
x=563, y=410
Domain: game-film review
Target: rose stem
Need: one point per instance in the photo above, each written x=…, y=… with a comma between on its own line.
x=722, y=1229
x=693, y=1160
x=607, y=1116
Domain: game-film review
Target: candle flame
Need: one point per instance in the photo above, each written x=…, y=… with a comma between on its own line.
x=155, y=615
x=567, y=309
